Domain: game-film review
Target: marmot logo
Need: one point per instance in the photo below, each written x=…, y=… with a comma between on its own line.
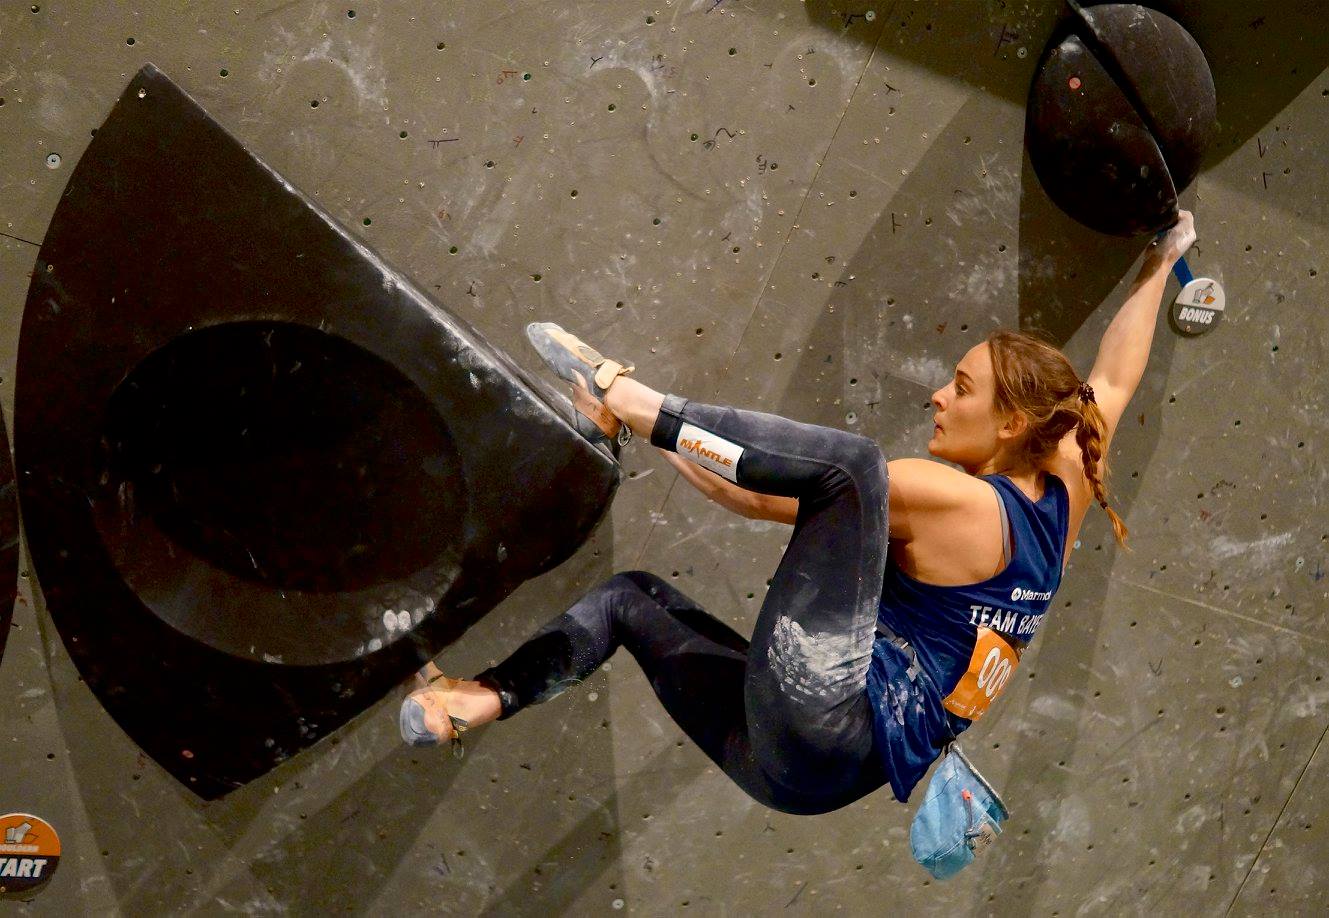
x=695, y=446
x=1022, y=595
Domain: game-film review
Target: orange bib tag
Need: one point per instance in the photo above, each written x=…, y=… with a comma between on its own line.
x=990, y=669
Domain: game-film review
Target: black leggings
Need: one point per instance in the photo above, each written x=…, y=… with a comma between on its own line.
x=786, y=717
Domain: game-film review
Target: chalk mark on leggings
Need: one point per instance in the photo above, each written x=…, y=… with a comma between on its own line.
x=812, y=663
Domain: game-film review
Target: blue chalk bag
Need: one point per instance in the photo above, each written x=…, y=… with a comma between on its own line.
x=960, y=815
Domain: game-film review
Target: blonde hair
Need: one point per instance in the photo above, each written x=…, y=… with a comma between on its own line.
x=1035, y=379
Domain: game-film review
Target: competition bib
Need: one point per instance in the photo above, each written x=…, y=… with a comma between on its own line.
x=989, y=670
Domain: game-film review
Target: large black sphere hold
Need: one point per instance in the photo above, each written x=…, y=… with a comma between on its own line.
x=1118, y=118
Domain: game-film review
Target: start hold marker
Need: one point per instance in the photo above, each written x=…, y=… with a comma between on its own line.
x=29, y=853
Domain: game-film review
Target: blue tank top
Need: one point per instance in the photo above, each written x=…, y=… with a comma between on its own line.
x=944, y=624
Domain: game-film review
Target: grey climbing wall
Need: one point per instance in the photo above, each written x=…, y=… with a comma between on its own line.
x=800, y=209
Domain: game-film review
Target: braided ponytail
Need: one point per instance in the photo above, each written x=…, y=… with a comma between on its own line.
x=1034, y=378
x=1089, y=434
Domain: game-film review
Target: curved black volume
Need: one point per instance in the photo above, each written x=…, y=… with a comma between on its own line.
x=8, y=538
x=263, y=476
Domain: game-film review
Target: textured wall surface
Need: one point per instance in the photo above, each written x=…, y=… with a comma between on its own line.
x=795, y=208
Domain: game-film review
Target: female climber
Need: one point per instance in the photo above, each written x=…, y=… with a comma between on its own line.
x=897, y=613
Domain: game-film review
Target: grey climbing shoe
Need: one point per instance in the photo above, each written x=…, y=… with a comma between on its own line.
x=411, y=721
x=591, y=374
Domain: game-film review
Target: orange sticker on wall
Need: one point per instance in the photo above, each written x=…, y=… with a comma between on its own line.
x=29, y=852
x=989, y=670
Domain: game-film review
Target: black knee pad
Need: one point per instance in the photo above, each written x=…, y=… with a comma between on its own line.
x=668, y=423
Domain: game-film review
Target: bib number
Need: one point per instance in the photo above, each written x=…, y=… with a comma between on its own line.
x=990, y=669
